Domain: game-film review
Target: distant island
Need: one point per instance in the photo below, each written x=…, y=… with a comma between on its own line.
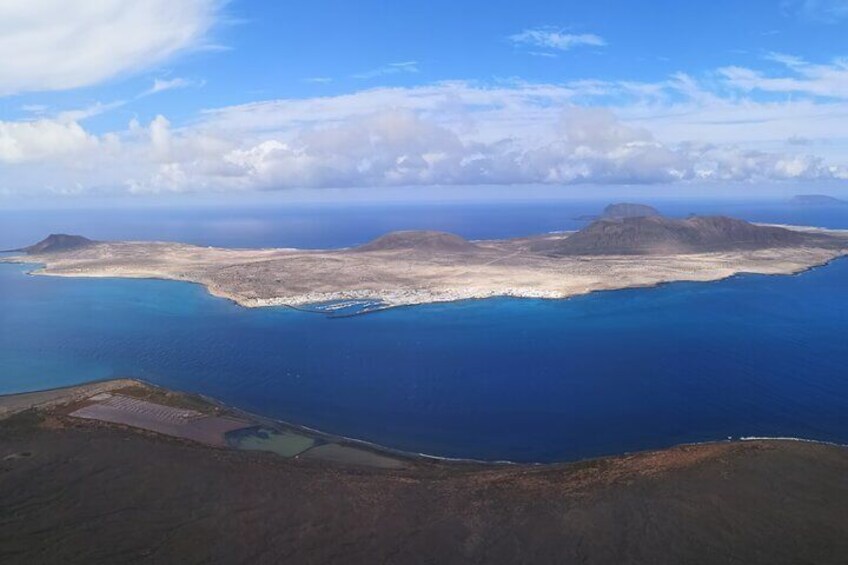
x=631, y=246
x=629, y=210
x=621, y=210
x=818, y=200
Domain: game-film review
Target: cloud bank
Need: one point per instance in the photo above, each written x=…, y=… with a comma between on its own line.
x=446, y=134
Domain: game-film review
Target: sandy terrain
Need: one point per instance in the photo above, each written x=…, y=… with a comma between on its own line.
x=80, y=491
x=402, y=276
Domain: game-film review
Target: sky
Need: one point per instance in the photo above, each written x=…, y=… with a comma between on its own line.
x=155, y=98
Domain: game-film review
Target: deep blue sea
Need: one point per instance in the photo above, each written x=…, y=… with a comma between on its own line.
x=499, y=379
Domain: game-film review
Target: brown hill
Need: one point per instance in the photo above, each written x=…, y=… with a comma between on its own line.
x=655, y=235
x=431, y=241
x=58, y=242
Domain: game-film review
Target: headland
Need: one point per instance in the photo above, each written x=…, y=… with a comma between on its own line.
x=157, y=497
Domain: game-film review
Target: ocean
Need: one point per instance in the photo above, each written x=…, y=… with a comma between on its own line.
x=499, y=379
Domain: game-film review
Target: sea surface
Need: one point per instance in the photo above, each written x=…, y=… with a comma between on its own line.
x=497, y=379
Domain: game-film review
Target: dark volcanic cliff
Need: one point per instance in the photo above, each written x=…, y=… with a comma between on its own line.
x=653, y=235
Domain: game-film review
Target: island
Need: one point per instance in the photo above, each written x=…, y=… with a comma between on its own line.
x=629, y=210
x=817, y=200
x=621, y=210
x=418, y=267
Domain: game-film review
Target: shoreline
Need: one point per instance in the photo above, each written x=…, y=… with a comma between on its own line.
x=304, y=304
x=76, y=392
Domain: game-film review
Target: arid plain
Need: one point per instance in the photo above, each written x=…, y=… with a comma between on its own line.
x=404, y=268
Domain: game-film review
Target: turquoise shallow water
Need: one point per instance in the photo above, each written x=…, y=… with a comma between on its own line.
x=523, y=380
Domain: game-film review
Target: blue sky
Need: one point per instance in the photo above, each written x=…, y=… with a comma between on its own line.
x=201, y=96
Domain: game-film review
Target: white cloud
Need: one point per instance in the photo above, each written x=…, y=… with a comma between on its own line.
x=543, y=54
x=399, y=148
x=799, y=140
x=161, y=85
x=95, y=109
x=824, y=80
x=389, y=148
x=62, y=44
x=43, y=139
x=390, y=69
x=559, y=40
x=477, y=111
x=826, y=11
x=37, y=109
x=98, y=108
x=677, y=110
